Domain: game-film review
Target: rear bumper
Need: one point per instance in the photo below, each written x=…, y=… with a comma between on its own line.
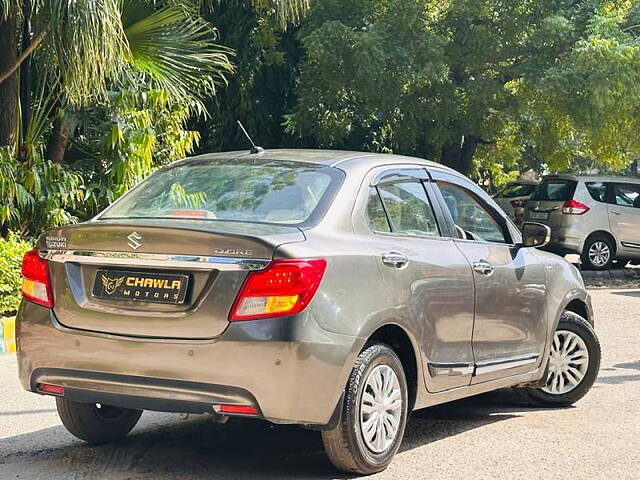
x=290, y=369
x=566, y=240
x=142, y=393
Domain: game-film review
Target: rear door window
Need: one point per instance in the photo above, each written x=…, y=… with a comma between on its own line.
x=408, y=208
x=556, y=189
x=376, y=218
x=626, y=195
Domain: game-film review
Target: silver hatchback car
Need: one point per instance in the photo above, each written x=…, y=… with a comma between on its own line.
x=597, y=217
x=334, y=290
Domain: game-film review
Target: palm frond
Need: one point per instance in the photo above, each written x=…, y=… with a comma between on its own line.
x=287, y=12
x=9, y=7
x=89, y=44
x=45, y=98
x=175, y=49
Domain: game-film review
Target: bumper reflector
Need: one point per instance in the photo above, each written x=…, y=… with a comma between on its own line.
x=238, y=409
x=51, y=389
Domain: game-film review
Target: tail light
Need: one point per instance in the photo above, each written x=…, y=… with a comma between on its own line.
x=51, y=389
x=518, y=203
x=237, y=409
x=574, y=207
x=36, y=285
x=285, y=287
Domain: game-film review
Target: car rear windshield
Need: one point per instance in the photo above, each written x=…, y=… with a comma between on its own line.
x=555, y=189
x=271, y=192
x=516, y=190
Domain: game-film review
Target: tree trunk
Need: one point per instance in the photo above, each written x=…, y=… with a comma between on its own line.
x=59, y=140
x=459, y=155
x=8, y=88
x=25, y=69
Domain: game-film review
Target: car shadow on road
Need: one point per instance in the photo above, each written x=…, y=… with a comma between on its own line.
x=607, y=378
x=165, y=447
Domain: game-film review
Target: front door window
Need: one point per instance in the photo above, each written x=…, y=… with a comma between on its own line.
x=470, y=215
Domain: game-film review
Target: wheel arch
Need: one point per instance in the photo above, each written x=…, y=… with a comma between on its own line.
x=603, y=233
x=401, y=342
x=581, y=308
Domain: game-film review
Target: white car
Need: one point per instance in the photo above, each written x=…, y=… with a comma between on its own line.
x=513, y=197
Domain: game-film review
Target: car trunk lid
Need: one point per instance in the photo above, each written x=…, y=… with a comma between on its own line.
x=155, y=278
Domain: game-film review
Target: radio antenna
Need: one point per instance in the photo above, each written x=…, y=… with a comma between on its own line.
x=254, y=147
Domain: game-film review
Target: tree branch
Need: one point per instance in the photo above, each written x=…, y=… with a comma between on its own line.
x=37, y=40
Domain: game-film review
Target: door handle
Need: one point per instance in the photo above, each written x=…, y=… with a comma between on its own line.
x=615, y=212
x=483, y=267
x=395, y=259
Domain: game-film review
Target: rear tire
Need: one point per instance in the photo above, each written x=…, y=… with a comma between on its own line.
x=96, y=423
x=598, y=253
x=372, y=424
x=572, y=330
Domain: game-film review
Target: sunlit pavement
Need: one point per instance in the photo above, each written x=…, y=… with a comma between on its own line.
x=489, y=436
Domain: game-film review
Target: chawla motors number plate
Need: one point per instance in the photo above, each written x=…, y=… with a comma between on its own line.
x=141, y=287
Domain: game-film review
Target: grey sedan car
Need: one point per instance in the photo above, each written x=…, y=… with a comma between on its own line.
x=334, y=290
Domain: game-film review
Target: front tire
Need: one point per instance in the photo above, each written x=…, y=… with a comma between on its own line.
x=574, y=362
x=96, y=423
x=374, y=414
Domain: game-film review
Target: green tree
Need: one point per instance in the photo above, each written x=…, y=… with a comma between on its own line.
x=83, y=50
x=136, y=69
x=261, y=92
x=467, y=80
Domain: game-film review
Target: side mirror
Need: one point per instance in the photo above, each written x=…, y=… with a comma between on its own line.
x=535, y=234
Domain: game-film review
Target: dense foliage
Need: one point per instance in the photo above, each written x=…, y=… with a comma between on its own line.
x=474, y=82
x=11, y=251
x=96, y=94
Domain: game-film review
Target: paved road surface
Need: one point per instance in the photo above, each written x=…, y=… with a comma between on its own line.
x=483, y=437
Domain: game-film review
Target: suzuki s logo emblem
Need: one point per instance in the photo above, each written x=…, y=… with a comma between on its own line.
x=111, y=284
x=135, y=240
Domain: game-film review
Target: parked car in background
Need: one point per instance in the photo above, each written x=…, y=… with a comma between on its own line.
x=334, y=290
x=513, y=197
x=597, y=217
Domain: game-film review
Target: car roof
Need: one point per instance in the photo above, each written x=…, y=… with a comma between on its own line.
x=594, y=178
x=331, y=158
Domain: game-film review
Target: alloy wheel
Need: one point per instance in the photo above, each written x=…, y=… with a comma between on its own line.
x=599, y=253
x=568, y=363
x=380, y=409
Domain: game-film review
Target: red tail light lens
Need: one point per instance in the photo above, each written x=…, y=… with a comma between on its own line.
x=574, y=207
x=238, y=409
x=51, y=389
x=36, y=286
x=285, y=287
x=518, y=203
